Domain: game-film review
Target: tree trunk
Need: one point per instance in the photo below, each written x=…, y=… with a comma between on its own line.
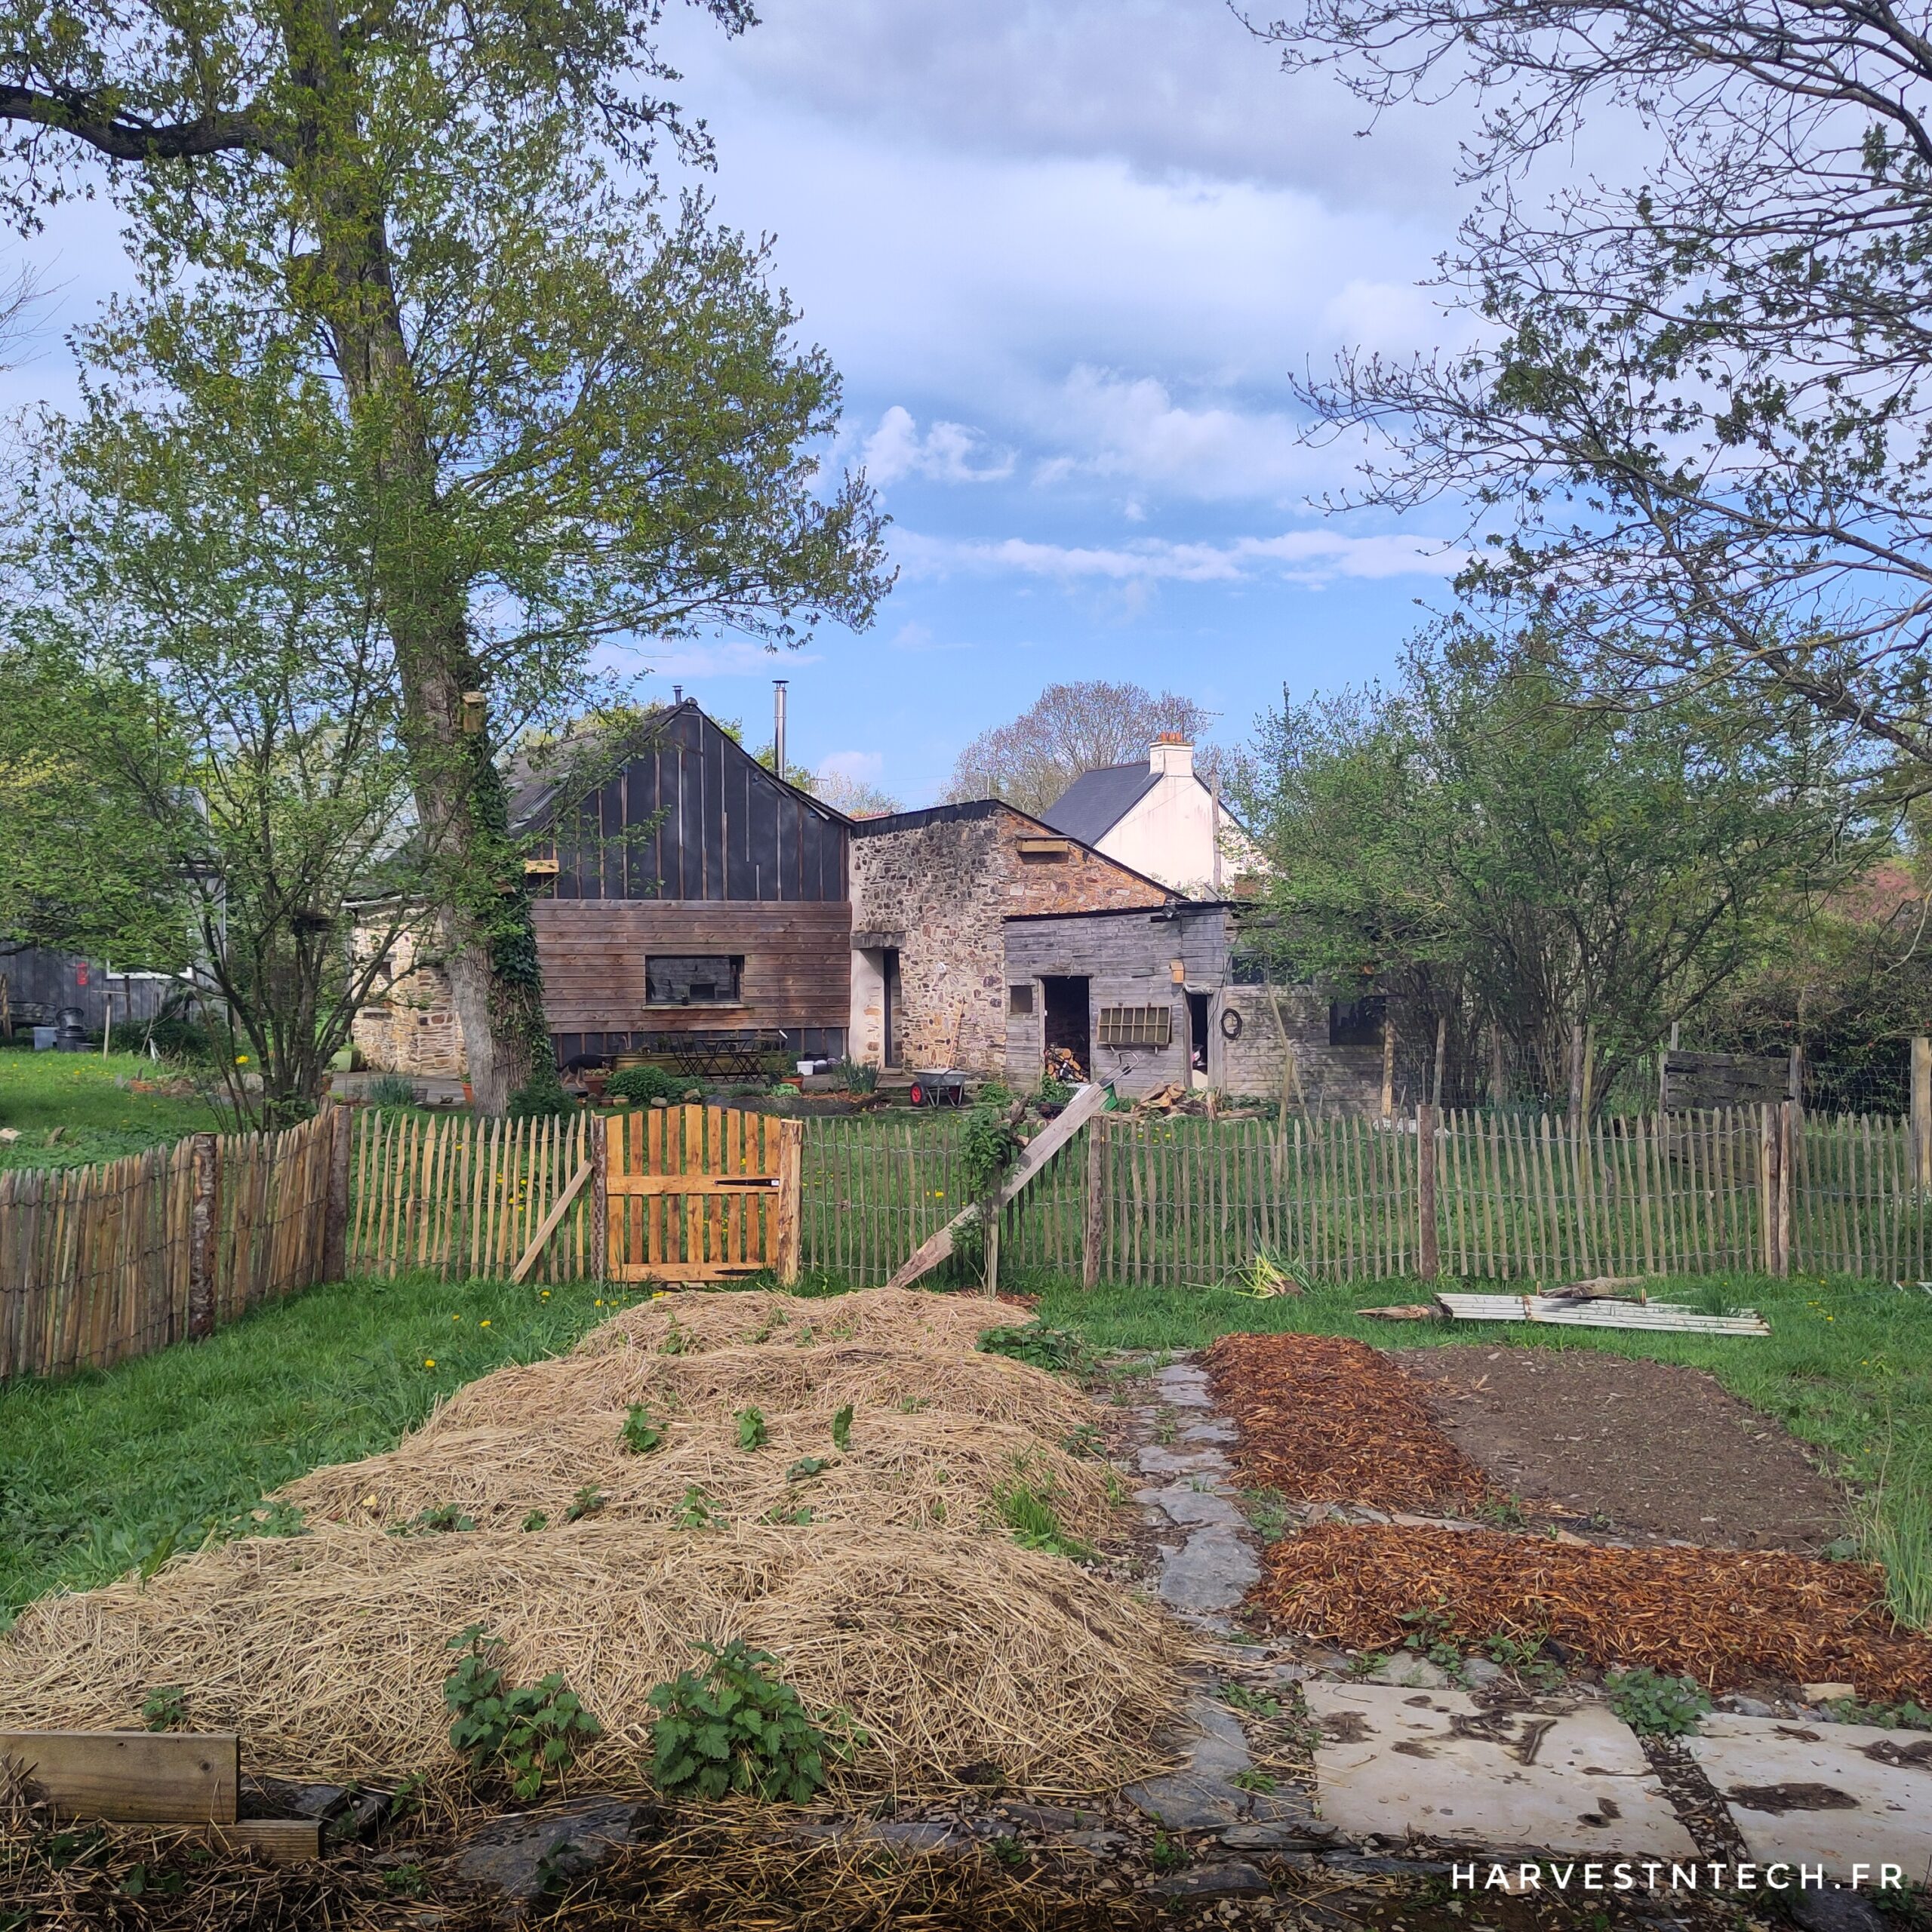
x=477, y=892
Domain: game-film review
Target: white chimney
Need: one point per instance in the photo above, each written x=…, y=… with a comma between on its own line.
x=1171, y=751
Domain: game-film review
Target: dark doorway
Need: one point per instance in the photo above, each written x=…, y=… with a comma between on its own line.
x=1197, y=1037
x=889, y=974
x=1066, y=1006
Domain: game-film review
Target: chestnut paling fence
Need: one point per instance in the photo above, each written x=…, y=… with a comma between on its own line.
x=99, y=1264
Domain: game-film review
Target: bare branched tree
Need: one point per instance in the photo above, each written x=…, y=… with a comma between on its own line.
x=1069, y=729
x=1693, y=430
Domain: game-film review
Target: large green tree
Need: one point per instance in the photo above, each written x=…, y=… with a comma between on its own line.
x=1528, y=869
x=420, y=244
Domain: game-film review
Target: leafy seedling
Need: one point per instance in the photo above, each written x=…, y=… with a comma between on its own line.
x=530, y=1732
x=842, y=1428
x=163, y=1709
x=1030, y=1515
x=736, y=1727
x=804, y=1467
x=782, y=1513
x=751, y=1429
x=445, y=1517
x=536, y=1520
x=1053, y=1349
x=1167, y=1854
x=587, y=1502
x=696, y=1512
x=640, y=1433
x=1256, y=1703
x=1251, y=1780
x=1654, y=1705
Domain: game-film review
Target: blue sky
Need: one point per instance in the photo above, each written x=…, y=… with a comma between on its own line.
x=1065, y=254
x=1065, y=257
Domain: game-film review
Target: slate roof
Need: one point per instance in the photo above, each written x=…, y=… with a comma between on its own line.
x=1097, y=802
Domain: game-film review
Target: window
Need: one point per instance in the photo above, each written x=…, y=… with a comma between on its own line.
x=705, y=979
x=1357, y=1022
x=1019, y=999
x=1136, y=1025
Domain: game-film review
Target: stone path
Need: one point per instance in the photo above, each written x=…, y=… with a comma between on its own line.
x=1408, y=1758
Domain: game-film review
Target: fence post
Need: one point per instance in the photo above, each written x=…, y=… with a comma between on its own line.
x=597, y=1152
x=335, y=1208
x=1921, y=1110
x=1094, y=1232
x=1787, y=1150
x=1768, y=1183
x=790, y=1173
x=201, y=1232
x=1428, y=1260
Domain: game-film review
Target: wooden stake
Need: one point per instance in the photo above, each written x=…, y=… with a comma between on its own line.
x=791, y=1173
x=1094, y=1232
x=598, y=1129
x=202, y=1232
x=1921, y=1109
x=335, y=1203
x=1429, y=1264
x=1387, y=1064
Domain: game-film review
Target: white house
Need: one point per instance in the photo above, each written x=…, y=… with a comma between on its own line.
x=1160, y=817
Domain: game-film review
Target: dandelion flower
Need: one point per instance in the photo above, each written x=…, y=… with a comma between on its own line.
x=369, y=1503
x=484, y=1323
x=241, y=1060
x=429, y=1362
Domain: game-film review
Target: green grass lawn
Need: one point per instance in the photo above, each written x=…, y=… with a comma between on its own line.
x=99, y=1472
x=1847, y=1367
x=70, y=1111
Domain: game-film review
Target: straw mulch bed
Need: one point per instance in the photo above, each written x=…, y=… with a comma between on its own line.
x=702, y=1319
x=930, y=1470
x=1728, y=1618
x=1324, y=1419
x=817, y=1381
x=327, y=1652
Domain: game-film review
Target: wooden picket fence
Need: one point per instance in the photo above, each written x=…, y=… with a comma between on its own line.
x=1185, y=1201
x=99, y=1264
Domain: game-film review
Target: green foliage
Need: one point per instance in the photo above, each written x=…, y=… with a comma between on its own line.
x=804, y=1467
x=1033, y=1342
x=530, y=1732
x=856, y=1076
x=1252, y=1779
x=390, y=1090
x=645, y=1084
x=1267, y=1511
x=589, y=1501
x=534, y=1521
x=640, y=1434
x=696, y=1511
x=990, y=1143
x=1430, y=1636
x=751, y=1432
x=1051, y=1093
x=443, y=1518
x=736, y=1727
x=1654, y=1705
x=678, y=1341
x=1168, y=1855
x=1028, y=1512
x=1907, y=1716
x=542, y=1097
x=164, y=1708
x=1238, y=1696
x=842, y=1428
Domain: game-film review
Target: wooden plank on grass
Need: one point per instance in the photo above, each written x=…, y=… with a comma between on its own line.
x=132, y=1776
x=280, y=1841
x=1656, y=1314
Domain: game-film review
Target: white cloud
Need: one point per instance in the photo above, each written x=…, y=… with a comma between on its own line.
x=855, y=767
x=1300, y=556
x=947, y=453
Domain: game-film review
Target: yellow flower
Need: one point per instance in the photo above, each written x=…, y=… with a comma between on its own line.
x=484, y=1324
x=600, y=1304
x=429, y=1362
x=368, y=1502
x=545, y=1296
x=241, y=1060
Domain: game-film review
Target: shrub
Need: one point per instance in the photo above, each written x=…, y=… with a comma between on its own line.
x=1052, y=1093
x=735, y=1726
x=856, y=1076
x=175, y=1038
x=530, y=1731
x=644, y=1084
x=392, y=1090
x=541, y=1097
x=1653, y=1705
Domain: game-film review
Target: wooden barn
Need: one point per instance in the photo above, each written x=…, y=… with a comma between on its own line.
x=691, y=904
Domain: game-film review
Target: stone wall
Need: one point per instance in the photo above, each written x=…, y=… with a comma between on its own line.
x=409, y=1025
x=936, y=885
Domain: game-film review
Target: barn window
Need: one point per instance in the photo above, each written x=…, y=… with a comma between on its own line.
x=1357, y=1022
x=1019, y=999
x=705, y=979
x=1136, y=1025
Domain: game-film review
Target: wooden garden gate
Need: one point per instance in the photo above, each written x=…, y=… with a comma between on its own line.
x=702, y=1194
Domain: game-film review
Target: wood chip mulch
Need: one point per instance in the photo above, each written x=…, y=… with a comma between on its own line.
x=1729, y=1618
x=1324, y=1419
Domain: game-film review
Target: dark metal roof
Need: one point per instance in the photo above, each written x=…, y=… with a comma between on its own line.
x=925, y=815
x=1176, y=908
x=1097, y=802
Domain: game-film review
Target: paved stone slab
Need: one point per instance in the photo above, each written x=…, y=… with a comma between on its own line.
x=1182, y=1385
x=1184, y=1503
x=1209, y=1432
x=1233, y=1879
x=1836, y=1795
x=1156, y=1461
x=1433, y=1763
x=1202, y=1795
x=1212, y=1571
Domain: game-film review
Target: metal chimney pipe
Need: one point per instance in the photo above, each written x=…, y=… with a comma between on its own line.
x=778, y=724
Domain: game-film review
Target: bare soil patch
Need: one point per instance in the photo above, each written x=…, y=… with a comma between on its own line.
x=1645, y=1448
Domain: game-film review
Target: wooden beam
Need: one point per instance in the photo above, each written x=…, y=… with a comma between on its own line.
x=132, y=1776
x=280, y=1841
x=1040, y=1150
x=541, y=1240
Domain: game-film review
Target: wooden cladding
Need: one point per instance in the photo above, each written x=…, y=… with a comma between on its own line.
x=693, y=816
x=797, y=963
